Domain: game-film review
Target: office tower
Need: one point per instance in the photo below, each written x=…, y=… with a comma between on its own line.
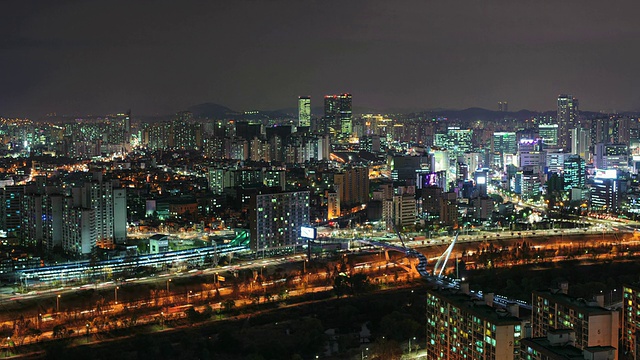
x=481, y=178
x=611, y=156
x=606, y=192
x=527, y=183
x=574, y=172
x=457, y=141
x=504, y=142
x=549, y=134
x=612, y=129
x=567, y=118
x=331, y=114
x=580, y=142
x=338, y=115
x=402, y=211
x=460, y=326
x=631, y=321
x=554, y=161
x=275, y=219
x=304, y=111
x=593, y=324
x=346, y=116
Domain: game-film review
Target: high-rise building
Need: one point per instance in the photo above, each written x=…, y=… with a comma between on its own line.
x=333, y=205
x=338, y=115
x=79, y=233
x=52, y=222
x=352, y=186
x=606, y=192
x=275, y=219
x=304, y=111
x=346, y=114
x=580, y=142
x=593, y=324
x=611, y=156
x=403, y=211
x=574, y=172
x=558, y=344
x=457, y=141
x=631, y=320
x=504, y=142
x=460, y=326
x=567, y=118
x=10, y=209
x=549, y=134
x=120, y=215
x=529, y=184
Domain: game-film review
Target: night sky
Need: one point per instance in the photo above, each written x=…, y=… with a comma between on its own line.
x=159, y=57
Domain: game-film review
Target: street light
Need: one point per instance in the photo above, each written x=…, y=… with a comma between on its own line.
x=58, y=303
x=362, y=354
x=162, y=319
x=116, y=291
x=168, y=281
x=414, y=338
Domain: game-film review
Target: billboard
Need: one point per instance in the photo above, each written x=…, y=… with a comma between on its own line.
x=606, y=174
x=308, y=232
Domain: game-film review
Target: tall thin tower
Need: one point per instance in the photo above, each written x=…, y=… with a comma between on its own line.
x=567, y=118
x=304, y=111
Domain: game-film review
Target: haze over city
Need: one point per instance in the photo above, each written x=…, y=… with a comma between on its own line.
x=301, y=180
x=159, y=57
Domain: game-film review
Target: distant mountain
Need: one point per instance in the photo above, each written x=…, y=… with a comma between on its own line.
x=212, y=111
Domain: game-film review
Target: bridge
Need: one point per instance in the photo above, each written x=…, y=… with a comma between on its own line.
x=438, y=270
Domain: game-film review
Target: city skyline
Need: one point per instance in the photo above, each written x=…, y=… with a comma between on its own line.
x=158, y=58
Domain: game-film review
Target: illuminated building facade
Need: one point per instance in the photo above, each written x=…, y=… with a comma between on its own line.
x=463, y=327
x=593, y=324
x=304, y=111
x=275, y=219
x=631, y=320
x=567, y=118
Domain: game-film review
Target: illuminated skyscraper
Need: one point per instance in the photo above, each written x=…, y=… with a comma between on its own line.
x=275, y=219
x=580, y=142
x=567, y=118
x=549, y=134
x=304, y=111
x=338, y=114
x=574, y=172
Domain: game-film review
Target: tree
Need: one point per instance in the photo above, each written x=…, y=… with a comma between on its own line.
x=229, y=304
x=340, y=285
